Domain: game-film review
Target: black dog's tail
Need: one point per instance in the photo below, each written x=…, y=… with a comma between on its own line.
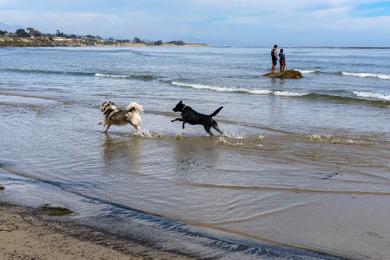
x=216, y=112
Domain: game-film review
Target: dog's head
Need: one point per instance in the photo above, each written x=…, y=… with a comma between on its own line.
x=179, y=107
x=105, y=105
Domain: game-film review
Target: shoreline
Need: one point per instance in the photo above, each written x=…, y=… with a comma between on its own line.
x=101, y=227
x=112, y=46
x=18, y=42
x=28, y=233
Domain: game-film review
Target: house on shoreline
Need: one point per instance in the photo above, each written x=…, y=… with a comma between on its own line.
x=34, y=38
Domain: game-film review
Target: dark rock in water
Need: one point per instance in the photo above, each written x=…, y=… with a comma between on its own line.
x=55, y=211
x=288, y=74
x=2, y=187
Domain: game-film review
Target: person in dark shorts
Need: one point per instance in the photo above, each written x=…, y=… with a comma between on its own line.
x=274, y=56
x=282, y=60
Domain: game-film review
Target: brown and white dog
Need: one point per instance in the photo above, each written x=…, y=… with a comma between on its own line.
x=112, y=115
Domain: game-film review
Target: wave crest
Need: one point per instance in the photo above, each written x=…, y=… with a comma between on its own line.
x=371, y=95
x=116, y=76
x=367, y=75
x=109, y=76
x=238, y=89
x=80, y=73
x=307, y=71
x=222, y=89
x=288, y=94
x=360, y=97
x=48, y=72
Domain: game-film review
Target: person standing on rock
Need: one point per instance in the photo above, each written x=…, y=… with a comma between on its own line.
x=282, y=60
x=274, y=56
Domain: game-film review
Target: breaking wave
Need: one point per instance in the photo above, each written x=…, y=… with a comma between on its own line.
x=80, y=73
x=222, y=89
x=116, y=76
x=367, y=75
x=288, y=93
x=109, y=76
x=372, y=95
x=350, y=74
x=308, y=71
x=349, y=97
x=253, y=91
x=49, y=72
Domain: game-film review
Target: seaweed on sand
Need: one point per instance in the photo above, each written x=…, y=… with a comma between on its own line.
x=55, y=211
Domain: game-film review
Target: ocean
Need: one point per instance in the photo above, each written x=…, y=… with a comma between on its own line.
x=302, y=163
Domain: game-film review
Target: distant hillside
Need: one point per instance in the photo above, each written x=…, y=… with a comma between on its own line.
x=31, y=37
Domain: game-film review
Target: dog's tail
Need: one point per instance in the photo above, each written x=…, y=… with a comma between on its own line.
x=134, y=106
x=216, y=112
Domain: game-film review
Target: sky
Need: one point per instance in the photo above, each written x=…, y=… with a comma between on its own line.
x=218, y=22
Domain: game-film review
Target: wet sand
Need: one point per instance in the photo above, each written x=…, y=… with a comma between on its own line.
x=26, y=233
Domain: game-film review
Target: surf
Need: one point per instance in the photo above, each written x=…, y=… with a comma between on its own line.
x=369, y=98
x=366, y=75
x=253, y=91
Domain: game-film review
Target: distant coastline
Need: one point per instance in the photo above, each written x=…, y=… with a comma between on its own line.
x=34, y=38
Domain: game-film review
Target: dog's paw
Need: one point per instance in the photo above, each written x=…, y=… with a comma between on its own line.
x=99, y=123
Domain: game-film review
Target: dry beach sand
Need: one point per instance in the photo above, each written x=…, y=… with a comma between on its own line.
x=25, y=235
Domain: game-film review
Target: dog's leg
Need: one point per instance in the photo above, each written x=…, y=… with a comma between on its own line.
x=207, y=128
x=215, y=126
x=102, y=122
x=107, y=127
x=183, y=124
x=137, y=129
x=177, y=119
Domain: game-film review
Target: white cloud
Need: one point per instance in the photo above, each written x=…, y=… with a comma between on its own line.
x=249, y=20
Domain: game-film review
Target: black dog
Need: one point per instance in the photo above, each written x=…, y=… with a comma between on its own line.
x=190, y=116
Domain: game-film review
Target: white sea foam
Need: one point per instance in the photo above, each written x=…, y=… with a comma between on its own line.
x=109, y=75
x=233, y=136
x=371, y=95
x=238, y=90
x=306, y=71
x=223, y=89
x=288, y=94
x=339, y=140
x=367, y=75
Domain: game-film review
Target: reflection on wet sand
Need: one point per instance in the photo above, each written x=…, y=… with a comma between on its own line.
x=190, y=159
x=119, y=151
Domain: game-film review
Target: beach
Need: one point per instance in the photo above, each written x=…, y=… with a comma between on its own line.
x=24, y=235
x=302, y=170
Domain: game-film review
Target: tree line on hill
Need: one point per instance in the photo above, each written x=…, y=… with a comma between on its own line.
x=34, y=33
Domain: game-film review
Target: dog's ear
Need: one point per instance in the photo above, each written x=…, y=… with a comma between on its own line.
x=181, y=102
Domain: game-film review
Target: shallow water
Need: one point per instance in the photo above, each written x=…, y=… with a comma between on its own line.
x=303, y=162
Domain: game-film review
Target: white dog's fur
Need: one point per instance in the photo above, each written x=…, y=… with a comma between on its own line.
x=134, y=116
x=112, y=115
